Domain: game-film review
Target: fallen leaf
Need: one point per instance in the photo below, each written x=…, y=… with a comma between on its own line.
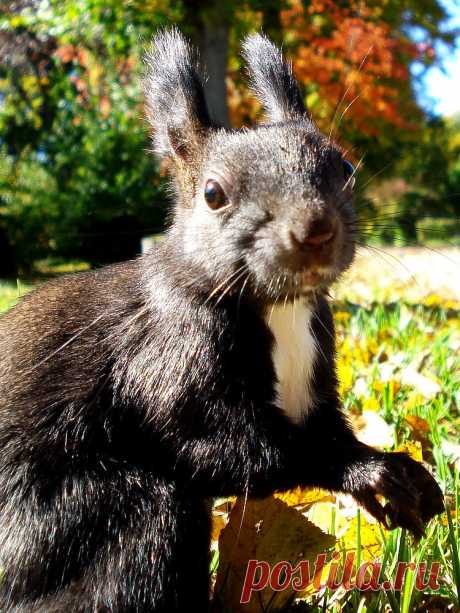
x=373, y=430
x=418, y=424
x=303, y=497
x=413, y=448
x=266, y=530
x=360, y=388
x=371, y=404
x=219, y=521
x=428, y=387
x=371, y=544
x=414, y=401
x=452, y=451
x=322, y=514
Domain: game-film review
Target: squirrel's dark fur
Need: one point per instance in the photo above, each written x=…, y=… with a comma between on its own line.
x=132, y=394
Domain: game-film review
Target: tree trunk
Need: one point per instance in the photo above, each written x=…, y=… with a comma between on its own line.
x=209, y=23
x=8, y=264
x=214, y=54
x=271, y=21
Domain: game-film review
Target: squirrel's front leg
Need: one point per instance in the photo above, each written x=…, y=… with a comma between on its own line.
x=258, y=457
x=412, y=495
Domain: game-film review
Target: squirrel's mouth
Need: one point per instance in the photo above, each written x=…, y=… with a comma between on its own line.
x=304, y=283
x=283, y=287
x=312, y=278
x=312, y=282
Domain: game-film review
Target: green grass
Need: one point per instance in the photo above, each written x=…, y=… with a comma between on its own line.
x=378, y=343
x=10, y=293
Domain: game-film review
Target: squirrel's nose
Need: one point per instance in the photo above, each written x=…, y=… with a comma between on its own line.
x=315, y=234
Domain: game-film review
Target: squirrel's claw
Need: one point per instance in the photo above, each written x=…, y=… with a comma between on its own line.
x=413, y=496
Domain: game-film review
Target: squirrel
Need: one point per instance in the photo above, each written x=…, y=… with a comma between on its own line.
x=132, y=394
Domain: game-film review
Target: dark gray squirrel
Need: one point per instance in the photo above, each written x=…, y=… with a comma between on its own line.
x=132, y=394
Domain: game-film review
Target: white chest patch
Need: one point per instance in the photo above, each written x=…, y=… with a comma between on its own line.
x=294, y=352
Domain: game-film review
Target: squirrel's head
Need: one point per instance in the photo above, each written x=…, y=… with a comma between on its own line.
x=268, y=207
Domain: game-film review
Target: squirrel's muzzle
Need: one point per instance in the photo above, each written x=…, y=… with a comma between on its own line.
x=311, y=243
x=315, y=234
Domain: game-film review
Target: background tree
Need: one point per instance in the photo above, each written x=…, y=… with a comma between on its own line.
x=74, y=177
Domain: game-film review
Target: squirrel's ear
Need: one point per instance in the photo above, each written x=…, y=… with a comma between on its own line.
x=174, y=96
x=272, y=79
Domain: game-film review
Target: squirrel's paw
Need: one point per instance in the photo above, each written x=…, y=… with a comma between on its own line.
x=412, y=495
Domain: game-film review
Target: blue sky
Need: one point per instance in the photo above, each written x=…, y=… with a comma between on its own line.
x=441, y=88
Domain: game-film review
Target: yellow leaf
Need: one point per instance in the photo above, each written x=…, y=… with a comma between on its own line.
x=219, y=521
x=342, y=316
x=17, y=21
x=433, y=300
x=453, y=305
x=413, y=448
x=454, y=515
x=270, y=532
x=414, y=401
x=371, y=404
x=322, y=513
x=345, y=375
x=304, y=497
x=371, y=545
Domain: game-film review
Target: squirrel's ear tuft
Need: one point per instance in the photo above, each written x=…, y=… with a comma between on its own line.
x=173, y=89
x=272, y=79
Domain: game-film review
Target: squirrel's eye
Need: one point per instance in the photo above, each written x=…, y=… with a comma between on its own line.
x=214, y=195
x=348, y=173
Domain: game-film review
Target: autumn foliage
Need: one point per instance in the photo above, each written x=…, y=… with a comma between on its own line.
x=352, y=64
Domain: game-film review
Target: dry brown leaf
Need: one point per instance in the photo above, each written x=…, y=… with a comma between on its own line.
x=269, y=531
x=418, y=424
